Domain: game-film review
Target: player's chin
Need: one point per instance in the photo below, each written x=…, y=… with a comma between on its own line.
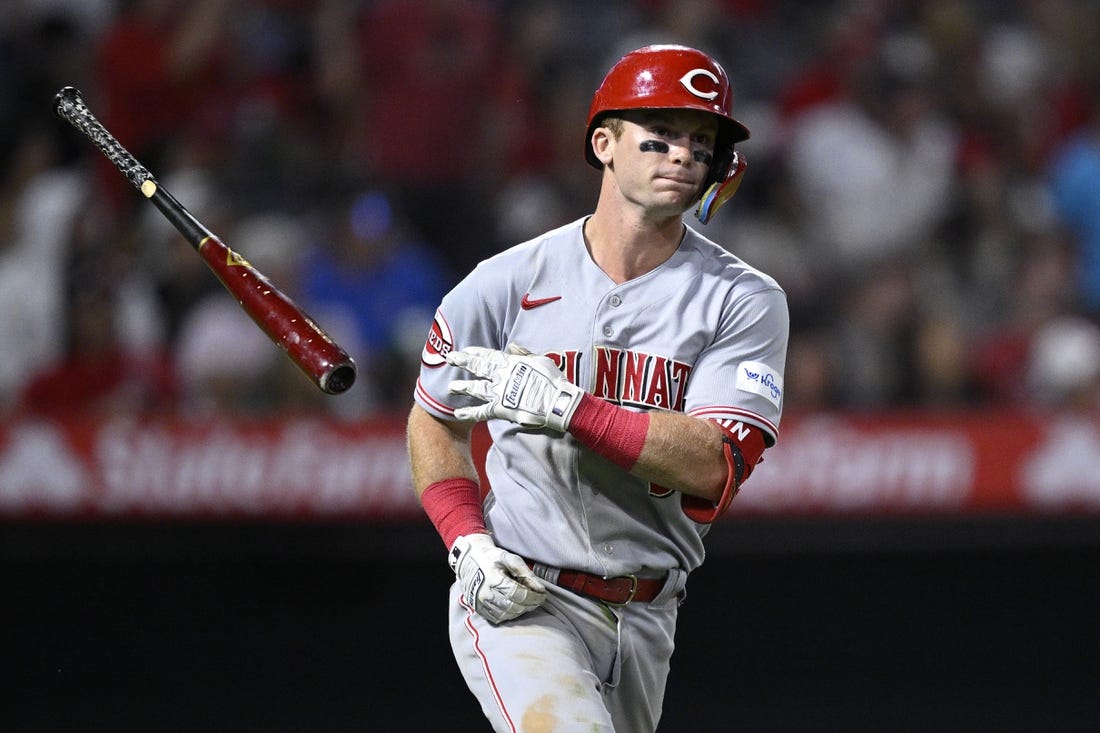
x=674, y=202
x=680, y=190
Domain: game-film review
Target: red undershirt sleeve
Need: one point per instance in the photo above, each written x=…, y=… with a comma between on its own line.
x=614, y=432
x=454, y=507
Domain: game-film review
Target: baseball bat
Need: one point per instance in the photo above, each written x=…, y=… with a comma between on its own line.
x=308, y=346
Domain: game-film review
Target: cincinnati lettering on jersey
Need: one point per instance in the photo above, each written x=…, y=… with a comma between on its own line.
x=631, y=377
x=569, y=362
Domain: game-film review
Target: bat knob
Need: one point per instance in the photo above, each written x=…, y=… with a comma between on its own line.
x=64, y=100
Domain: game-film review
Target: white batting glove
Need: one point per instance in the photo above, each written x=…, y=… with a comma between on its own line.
x=496, y=582
x=515, y=385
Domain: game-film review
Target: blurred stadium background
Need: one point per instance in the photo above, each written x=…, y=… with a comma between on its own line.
x=194, y=538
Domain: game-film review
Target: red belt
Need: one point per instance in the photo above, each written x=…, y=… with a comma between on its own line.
x=617, y=591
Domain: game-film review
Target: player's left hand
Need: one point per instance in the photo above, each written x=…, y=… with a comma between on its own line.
x=496, y=582
x=515, y=385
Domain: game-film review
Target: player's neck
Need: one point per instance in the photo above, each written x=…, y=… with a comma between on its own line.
x=627, y=247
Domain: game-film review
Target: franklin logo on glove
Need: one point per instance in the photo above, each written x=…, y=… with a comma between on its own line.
x=519, y=379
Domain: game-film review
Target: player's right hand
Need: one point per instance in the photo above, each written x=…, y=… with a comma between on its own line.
x=515, y=385
x=497, y=583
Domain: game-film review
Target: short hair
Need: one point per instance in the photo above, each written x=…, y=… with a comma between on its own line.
x=615, y=124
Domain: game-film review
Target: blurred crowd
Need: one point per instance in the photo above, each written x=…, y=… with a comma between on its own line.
x=924, y=181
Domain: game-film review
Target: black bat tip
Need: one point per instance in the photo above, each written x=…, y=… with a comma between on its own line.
x=67, y=97
x=340, y=380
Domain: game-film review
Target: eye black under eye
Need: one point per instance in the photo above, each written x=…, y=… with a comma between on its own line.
x=653, y=146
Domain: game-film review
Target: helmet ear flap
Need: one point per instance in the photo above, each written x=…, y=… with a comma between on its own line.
x=720, y=167
x=725, y=180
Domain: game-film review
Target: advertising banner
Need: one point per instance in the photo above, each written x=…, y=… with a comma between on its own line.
x=312, y=468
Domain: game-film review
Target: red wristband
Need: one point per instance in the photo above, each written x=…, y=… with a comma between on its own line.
x=614, y=432
x=454, y=506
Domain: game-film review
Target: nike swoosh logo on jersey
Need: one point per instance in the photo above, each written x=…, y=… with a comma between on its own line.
x=527, y=303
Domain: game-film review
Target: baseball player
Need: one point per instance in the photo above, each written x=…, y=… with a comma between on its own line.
x=631, y=373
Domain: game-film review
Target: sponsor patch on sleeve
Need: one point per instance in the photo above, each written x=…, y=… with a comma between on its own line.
x=759, y=378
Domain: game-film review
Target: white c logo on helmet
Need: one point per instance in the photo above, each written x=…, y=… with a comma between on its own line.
x=688, y=80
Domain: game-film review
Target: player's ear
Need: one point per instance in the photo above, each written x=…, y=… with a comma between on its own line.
x=602, y=143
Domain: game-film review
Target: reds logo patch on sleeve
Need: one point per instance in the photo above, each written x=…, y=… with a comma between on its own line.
x=440, y=342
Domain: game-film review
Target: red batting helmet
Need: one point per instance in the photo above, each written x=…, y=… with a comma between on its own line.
x=669, y=77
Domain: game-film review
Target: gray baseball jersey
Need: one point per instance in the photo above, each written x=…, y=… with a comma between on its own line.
x=704, y=334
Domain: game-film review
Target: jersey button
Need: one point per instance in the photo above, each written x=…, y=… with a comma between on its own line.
x=615, y=301
x=608, y=331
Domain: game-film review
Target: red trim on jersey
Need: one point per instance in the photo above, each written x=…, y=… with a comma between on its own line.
x=723, y=412
x=614, y=432
x=454, y=506
x=742, y=445
x=485, y=662
x=432, y=401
